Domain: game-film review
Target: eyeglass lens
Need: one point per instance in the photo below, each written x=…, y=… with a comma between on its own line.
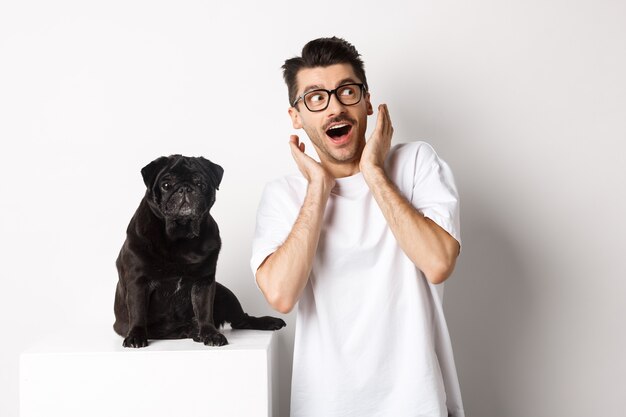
x=347, y=95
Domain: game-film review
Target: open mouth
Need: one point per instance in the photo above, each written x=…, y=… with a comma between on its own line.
x=339, y=133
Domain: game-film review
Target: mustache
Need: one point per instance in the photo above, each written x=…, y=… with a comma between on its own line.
x=339, y=119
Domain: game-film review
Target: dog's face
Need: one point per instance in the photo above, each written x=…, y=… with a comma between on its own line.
x=181, y=191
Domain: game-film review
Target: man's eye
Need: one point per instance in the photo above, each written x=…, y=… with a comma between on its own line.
x=347, y=91
x=316, y=98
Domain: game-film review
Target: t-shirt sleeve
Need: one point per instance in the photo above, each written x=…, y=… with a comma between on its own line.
x=274, y=221
x=434, y=191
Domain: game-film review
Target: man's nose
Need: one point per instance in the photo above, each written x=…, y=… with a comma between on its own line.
x=334, y=105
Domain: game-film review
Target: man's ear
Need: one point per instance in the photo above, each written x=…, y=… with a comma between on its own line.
x=368, y=104
x=295, y=118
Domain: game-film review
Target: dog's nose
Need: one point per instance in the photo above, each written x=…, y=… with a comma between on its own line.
x=184, y=189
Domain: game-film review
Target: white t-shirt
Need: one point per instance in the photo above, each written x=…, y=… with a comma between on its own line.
x=371, y=338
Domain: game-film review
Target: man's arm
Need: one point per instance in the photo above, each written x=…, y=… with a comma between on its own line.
x=429, y=246
x=283, y=275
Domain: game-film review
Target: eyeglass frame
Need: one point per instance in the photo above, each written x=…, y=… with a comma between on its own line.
x=361, y=86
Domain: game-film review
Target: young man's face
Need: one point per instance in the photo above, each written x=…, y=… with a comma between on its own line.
x=338, y=132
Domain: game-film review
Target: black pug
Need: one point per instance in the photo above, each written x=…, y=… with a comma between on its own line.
x=167, y=287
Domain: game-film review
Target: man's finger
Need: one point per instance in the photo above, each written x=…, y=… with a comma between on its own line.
x=380, y=119
x=295, y=143
x=379, y=126
x=386, y=122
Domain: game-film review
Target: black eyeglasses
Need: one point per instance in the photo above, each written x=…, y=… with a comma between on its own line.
x=318, y=100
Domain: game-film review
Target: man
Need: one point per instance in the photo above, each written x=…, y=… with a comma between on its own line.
x=360, y=243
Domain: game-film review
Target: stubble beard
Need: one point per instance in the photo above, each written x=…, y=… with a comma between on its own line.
x=351, y=153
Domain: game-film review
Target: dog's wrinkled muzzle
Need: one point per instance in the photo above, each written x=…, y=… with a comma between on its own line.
x=182, y=203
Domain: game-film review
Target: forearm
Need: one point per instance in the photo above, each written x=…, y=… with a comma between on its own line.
x=284, y=274
x=428, y=245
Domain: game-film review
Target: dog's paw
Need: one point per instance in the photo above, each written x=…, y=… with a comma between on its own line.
x=136, y=339
x=272, y=323
x=212, y=339
x=216, y=339
x=258, y=323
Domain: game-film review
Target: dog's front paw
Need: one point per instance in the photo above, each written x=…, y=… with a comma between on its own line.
x=213, y=338
x=216, y=339
x=137, y=338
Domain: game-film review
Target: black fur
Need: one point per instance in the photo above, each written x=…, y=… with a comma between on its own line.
x=167, y=287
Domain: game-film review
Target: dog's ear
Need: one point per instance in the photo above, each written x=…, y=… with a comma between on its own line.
x=150, y=171
x=213, y=171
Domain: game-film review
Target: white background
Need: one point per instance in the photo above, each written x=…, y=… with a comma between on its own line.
x=525, y=100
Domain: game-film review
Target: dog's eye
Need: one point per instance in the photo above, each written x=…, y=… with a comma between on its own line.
x=166, y=186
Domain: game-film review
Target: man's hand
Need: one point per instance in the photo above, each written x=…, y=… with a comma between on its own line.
x=312, y=170
x=379, y=143
x=428, y=245
x=283, y=275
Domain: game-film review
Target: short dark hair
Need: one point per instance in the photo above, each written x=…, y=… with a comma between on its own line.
x=322, y=52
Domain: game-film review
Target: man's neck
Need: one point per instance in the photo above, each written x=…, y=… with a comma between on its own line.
x=341, y=170
x=344, y=168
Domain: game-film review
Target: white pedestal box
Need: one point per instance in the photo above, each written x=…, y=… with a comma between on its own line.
x=85, y=375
